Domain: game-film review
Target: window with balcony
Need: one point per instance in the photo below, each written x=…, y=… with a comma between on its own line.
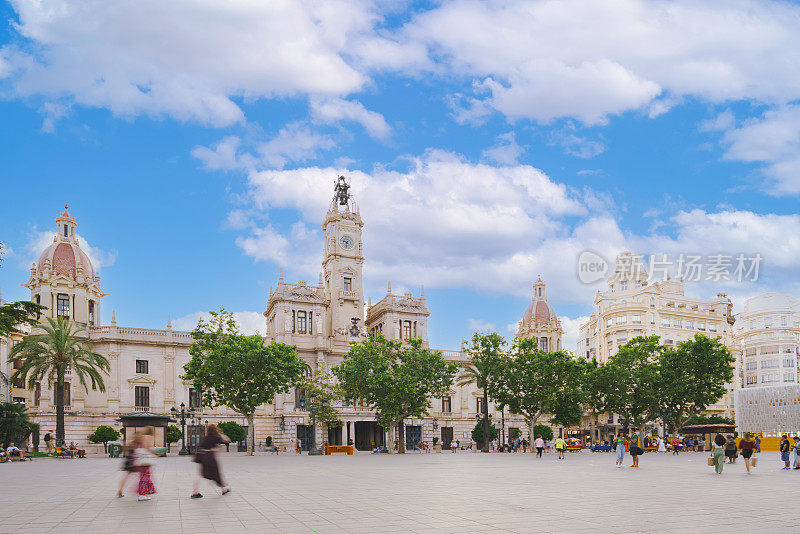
x=142, y=366
x=62, y=305
x=751, y=366
x=652, y=302
x=141, y=397
x=348, y=284
x=636, y=319
x=770, y=364
x=788, y=377
x=624, y=286
x=677, y=323
x=712, y=327
x=701, y=326
x=751, y=380
x=788, y=362
x=446, y=405
x=689, y=325
x=609, y=322
x=622, y=319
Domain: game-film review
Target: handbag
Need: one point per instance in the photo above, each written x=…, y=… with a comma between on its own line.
x=753, y=461
x=711, y=461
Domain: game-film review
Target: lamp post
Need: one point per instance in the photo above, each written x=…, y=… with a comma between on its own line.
x=182, y=415
x=314, y=451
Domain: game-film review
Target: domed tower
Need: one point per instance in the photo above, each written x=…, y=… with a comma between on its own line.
x=63, y=279
x=540, y=321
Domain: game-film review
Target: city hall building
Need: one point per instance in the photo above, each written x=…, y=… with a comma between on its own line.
x=321, y=319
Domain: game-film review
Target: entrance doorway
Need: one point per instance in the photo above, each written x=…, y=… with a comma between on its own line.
x=369, y=434
x=447, y=437
x=304, y=434
x=413, y=435
x=335, y=436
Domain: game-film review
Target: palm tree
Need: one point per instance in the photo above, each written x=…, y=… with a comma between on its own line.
x=14, y=423
x=485, y=351
x=51, y=354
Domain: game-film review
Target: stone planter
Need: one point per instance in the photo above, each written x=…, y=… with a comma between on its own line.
x=437, y=448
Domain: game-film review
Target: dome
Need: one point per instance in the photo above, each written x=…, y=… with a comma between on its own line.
x=540, y=312
x=64, y=259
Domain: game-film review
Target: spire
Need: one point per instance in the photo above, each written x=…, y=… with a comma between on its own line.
x=422, y=291
x=169, y=322
x=320, y=279
x=114, y=317
x=389, y=288
x=280, y=276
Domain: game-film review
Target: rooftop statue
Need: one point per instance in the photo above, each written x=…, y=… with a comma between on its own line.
x=342, y=191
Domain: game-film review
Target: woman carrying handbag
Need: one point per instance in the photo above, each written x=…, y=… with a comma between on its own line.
x=143, y=459
x=718, y=453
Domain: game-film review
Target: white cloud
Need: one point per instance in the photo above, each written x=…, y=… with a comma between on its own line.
x=333, y=110
x=53, y=112
x=479, y=325
x=223, y=155
x=506, y=151
x=250, y=322
x=720, y=122
x=294, y=143
x=189, y=60
x=773, y=140
x=575, y=145
x=589, y=59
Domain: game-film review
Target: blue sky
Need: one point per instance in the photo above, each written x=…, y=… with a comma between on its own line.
x=487, y=143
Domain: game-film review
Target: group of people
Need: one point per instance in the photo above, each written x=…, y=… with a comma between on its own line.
x=725, y=447
x=635, y=445
x=139, y=458
x=12, y=450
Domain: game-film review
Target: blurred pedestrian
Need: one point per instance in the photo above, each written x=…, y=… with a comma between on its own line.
x=207, y=458
x=143, y=458
x=730, y=449
x=539, y=444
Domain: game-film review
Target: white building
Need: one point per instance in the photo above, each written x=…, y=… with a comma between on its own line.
x=633, y=307
x=768, y=334
x=320, y=319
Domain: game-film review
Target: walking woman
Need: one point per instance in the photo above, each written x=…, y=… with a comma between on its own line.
x=128, y=467
x=143, y=459
x=539, y=444
x=718, y=453
x=730, y=449
x=207, y=458
x=747, y=445
x=620, y=446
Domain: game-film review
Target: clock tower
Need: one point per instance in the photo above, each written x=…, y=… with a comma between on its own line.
x=342, y=264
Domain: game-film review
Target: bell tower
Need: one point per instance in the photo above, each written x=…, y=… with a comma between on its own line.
x=343, y=261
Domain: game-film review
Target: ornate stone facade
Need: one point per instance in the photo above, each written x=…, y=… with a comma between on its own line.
x=540, y=321
x=319, y=319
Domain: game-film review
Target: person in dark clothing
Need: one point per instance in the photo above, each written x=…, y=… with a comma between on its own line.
x=207, y=458
x=786, y=448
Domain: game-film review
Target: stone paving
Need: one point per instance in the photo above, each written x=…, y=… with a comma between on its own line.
x=442, y=493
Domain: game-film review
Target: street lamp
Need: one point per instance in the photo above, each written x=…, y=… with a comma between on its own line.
x=314, y=451
x=183, y=414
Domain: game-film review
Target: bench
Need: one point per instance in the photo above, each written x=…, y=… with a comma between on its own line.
x=601, y=448
x=333, y=449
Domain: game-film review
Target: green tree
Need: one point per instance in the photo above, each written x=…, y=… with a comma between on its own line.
x=174, y=435
x=103, y=434
x=322, y=387
x=542, y=430
x=691, y=377
x=534, y=383
x=234, y=431
x=485, y=351
x=47, y=357
x=239, y=371
x=478, y=432
x=713, y=419
x=630, y=381
x=14, y=423
x=395, y=378
x=514, y=433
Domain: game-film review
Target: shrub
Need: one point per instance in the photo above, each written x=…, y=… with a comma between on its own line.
x=542, y=430
x=103, y=434
x=234, y=431
x=477, y=432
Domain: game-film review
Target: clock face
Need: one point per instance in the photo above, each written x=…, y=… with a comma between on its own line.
x=347, y=242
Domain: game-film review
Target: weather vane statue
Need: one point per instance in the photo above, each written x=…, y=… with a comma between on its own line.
x=342, y=191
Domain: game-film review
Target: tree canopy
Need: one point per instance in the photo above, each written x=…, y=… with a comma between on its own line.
x=395, y=378
x=14, y=422
x=534, y=383
x=103, y=434
x=691, y=377
x=46, y=357
x=485, y=351
x=239, y=371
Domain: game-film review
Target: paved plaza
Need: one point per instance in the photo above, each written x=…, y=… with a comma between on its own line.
x=442, y=493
